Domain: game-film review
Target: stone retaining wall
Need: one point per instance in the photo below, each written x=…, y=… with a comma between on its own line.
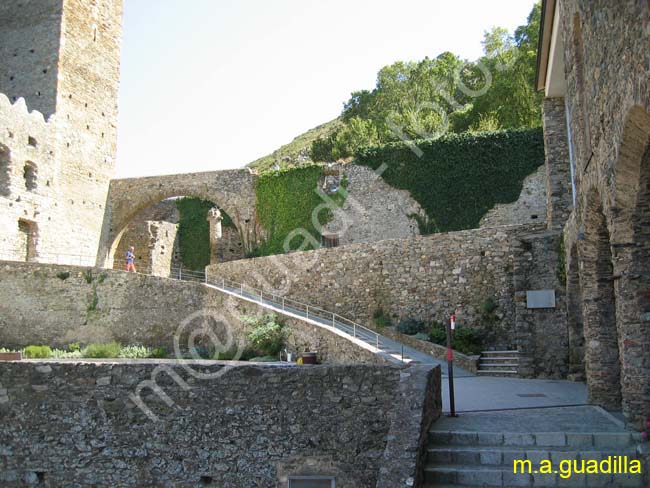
x=59, y=305
x=78, y=424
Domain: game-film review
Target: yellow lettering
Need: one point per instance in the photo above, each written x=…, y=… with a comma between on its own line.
x=606, y=466
x=546, y=467
x=580, y=469
x=635, y=466
x=592, y=466
x=565, y=469
x=523, y=466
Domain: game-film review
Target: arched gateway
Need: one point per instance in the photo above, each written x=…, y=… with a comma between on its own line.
x=232, y=190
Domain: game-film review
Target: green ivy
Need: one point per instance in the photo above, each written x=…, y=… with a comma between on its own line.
x=286, y=200
x=194, y=231
x=459, y=177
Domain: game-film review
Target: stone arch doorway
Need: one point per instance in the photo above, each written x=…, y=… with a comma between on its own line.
x=176, y=237
x=233, y=190
x=602, y=364
x=632, y=262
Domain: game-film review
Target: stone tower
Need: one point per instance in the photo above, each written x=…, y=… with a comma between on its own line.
x=63, y=58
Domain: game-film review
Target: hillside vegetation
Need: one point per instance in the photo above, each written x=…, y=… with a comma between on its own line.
x=297, y=152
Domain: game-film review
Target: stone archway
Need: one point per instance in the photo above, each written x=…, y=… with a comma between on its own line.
x=602, y=363
x=233, y=190
x=574, y=315
x=631, y=243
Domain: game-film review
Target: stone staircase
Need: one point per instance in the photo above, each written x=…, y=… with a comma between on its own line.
x=498, y=363
x=486, y=458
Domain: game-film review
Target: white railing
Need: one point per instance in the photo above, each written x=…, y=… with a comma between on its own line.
x=53, y=258
x=298, y=308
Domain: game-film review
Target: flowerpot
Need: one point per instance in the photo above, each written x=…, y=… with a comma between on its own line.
x=309, y=358
x=11, y=356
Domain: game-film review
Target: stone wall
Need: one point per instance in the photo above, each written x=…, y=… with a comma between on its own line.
x=68, y=424
x=59, y=305
x=373, y=210
x=155, y=245
x=63, y=58
x=558, y=165
x=429, y=277
x=608, y=103
x=529, y=208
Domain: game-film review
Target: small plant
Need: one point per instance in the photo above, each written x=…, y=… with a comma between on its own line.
x=88, y=276
x=159, y=353
x=264, y=359
x=134, y=352
x=97, y=351
x=411, y=326
x=59, y=354
x=37, y=352
x=268, y=335
x=102, y=277
x=74, y=347
x=234, y=353
x=422, y=336
x=94, y=301
x=64, y=275
x=380, y=318
x=488, y=311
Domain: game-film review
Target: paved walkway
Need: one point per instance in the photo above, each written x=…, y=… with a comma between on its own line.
x=480, y=393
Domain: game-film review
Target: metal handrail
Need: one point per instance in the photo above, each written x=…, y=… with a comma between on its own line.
x=286, y=304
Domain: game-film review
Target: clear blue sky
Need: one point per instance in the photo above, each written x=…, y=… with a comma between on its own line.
x=215, y=84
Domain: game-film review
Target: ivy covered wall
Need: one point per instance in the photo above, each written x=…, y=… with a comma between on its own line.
x=459, y=177
x=194, y=231
x=286, y=201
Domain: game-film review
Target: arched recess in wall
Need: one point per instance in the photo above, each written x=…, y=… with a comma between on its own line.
x=631, y=241
x=5, y=171
x=574, y=315
x=602, y=364
x=173, y=235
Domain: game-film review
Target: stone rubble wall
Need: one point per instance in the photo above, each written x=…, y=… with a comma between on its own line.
x=373, y=210
x=57, y=305
x=424, y=277
x=155, y=245
x=530, y=207
x=77, y=423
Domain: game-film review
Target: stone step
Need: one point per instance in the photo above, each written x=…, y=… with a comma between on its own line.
x=581, y=440
x=508, y=359
x=499, y=353
x=490, y=476
x=494, y=372
x=505, y=456
x=497, y=365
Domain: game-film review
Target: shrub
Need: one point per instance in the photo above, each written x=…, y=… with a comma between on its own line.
x=59, y=354
x=411, y=326
x=234, y=353
x=267, y=336
x=64, y=275
x=37, y=352
x=381, y=319
x=98, y=351
x=464, y=340
x=134, y=352
x=467, y=341
x=422, y=336
x=264, y=359
x=159, y=353
x=74, y=347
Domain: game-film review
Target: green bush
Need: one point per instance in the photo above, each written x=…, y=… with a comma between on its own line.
x=159, y=353
x=37, y=352
x=74, y=347
x=135, y=352
x=59, y=354
x=422, y=336
x=459, y=177
x=464, y=340
x=380, y=318
x=467, y=341
x=267, y=336
x=98, y=351
x=411, y=326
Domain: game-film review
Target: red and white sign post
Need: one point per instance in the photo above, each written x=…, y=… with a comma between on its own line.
x=451, y=326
